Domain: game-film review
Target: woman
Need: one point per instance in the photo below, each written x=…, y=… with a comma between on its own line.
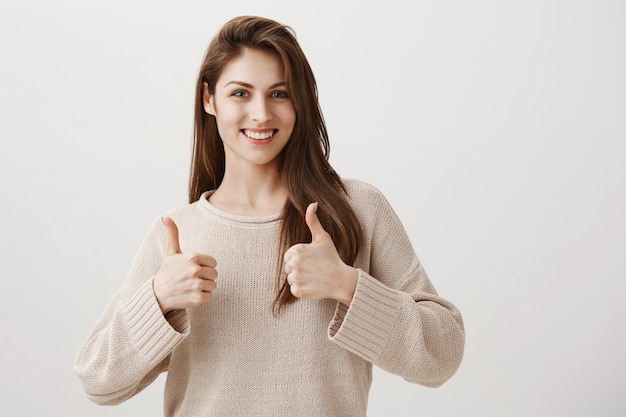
x=279, y=286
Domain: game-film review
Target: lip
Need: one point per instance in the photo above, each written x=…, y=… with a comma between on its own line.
x=259, y=130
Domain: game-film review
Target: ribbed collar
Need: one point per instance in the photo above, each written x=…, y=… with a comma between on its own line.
x=235, y=219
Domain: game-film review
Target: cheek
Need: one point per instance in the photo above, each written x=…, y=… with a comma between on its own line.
x=228, y=116
x=225, y=126
x=288, y=116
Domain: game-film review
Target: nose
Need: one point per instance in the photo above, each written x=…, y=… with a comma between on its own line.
x=260, y=110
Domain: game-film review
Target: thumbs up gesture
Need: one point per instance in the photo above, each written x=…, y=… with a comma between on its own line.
x=184, y=279
x=314, y=270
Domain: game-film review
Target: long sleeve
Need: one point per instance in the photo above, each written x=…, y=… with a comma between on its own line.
x=396, y=320
x=131, y=341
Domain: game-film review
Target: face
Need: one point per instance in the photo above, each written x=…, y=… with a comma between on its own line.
x=254, y=114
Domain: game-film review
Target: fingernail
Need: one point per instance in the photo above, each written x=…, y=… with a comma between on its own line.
x=162, y=221
x=316, y=206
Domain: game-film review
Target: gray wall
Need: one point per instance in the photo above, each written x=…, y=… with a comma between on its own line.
x=497, y=130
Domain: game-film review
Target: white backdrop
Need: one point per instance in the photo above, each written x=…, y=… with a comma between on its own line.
x=496, y=129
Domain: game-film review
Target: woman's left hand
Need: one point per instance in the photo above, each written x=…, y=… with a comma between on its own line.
x=315, y=270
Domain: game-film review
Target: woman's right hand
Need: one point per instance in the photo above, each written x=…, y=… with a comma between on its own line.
x=184, y=279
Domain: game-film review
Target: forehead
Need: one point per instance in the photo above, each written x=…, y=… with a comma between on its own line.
x=255, y=67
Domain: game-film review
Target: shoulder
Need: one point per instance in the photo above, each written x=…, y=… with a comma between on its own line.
x=187, y=218
x=361, y=193
x=379, y=221
x=184, y=214
x=368, y=202
x=356, y=187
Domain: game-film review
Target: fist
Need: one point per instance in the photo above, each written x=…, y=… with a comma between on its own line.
x=315, y=270
x=184, y=280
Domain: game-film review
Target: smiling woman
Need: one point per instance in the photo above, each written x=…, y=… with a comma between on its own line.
x=280, y=285
x=254, y=116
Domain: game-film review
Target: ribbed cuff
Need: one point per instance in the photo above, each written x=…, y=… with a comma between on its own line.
x=179, y=320
x=149, y=332
x=365, y=326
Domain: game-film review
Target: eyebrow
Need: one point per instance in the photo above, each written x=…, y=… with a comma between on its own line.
x=247, y=85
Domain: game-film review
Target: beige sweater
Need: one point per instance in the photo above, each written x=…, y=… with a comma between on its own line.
x=232, y=357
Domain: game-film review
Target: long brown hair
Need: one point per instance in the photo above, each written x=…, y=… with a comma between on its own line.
x=304, y=166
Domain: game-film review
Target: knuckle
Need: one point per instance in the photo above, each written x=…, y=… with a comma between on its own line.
x=198, y=298
x=287, y=268
x=295, y=260
x=292, y=251
x=208, y=285
x=295, y=290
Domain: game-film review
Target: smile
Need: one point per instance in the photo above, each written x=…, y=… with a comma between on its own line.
x=258, y=135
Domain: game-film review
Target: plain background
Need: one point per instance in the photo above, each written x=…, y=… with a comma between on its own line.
x=497, y=130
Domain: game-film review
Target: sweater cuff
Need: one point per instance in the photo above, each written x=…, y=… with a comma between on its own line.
x=150, y=333
x=365, y=326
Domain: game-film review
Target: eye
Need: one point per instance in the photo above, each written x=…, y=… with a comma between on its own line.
x=280, y=94
x=239, y=93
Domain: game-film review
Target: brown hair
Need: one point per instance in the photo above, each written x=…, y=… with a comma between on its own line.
x=305, y=170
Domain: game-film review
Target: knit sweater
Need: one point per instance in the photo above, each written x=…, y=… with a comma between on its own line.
x=232, y=357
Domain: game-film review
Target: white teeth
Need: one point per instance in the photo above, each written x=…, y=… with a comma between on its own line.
x=258, y=135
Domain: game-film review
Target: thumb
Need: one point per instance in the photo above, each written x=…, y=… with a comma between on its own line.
x=316, y=228
x=173, y=246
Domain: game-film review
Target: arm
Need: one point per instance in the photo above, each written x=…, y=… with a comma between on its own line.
x=417, y=336
x=131, y=342
x=396, y=320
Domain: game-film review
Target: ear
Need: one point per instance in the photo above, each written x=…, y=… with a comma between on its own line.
x=207, y=99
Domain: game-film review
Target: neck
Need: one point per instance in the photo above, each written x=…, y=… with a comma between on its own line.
x=256, y=191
